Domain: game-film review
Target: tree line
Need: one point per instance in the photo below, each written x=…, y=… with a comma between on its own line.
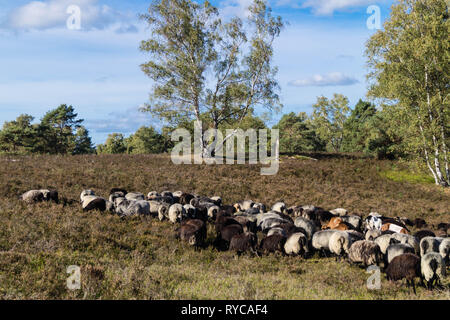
x=215, y=72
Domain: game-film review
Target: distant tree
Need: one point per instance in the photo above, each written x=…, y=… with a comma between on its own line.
x=83, y=142
x=409, y=69
x=115, y=143
x=358, y=127
x=328, y=120
x=297, y=135
x=18, y=135
x=146, y=140
x=57, y=130
x=206, y=69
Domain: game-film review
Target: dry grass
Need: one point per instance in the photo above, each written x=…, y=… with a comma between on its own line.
x=139, y=258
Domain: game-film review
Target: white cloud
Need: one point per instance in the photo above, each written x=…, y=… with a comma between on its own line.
x=50, y=14
x=331, y=79
x=327, y=7
x=238, y=8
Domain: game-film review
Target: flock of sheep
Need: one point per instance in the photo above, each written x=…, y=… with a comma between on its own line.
x=297, y=230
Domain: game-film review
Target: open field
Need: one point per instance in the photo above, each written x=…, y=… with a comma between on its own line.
x=139, y=257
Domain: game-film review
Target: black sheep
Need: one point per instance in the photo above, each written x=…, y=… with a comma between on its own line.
x=273, y=243
x=244, y=242
x=424, y=233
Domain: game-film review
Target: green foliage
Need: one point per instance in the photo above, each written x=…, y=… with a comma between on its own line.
x=328, y=120
x=115, y=143
x=406, y=176
x=59, y=132
x=18, y=136
x=297, y=135
x=410, y=63
x=146, y=140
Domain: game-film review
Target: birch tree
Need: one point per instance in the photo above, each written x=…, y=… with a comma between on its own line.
x=205, y=68
x=409, y=62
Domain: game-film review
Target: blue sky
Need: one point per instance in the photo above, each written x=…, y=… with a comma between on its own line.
x=96, y=69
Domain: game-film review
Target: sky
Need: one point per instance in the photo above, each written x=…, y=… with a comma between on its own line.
x=45, y=63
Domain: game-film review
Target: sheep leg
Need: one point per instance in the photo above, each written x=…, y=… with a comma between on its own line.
x=414, y=286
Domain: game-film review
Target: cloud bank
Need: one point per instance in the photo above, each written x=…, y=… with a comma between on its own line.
x=331, y=79
x=50, y=14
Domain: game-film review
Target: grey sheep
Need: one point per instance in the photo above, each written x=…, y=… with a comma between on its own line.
x=433, y=268
x=408, y=239
x=365, y=252
x=372, y=234
x=339, y=212
x=276, y=230
x=32, y=196
x=279, y=207
x=384, y=241
x=135, y=196
x=307, y=225
x=444, y=250
x=397, y=249
x=321, y=240
x=296, y=244
x=429, y=244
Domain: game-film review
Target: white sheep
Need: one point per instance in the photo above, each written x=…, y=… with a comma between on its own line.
x=339, y=212
x=176, y=213
x=279, y=207
x=296, y=244
x=353, y=220
x=433, y=268
x=32, y=196
x=340, y=243
x=321, y=240
x=135, y=196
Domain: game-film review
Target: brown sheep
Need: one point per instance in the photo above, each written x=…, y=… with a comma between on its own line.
x=193, y=231
x=273, y=243
x=406, y=266
x=244, y=242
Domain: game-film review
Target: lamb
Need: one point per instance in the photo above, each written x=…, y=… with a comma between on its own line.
x=307, y=225
x=176, y=213
x=372, y=234
x=50, y=195
x=424, y=233
x=407, y=266
x=433, y=268
x=273, y=243
x=340, y=243
x=243, y=242
x=296, y=244
x=365, y=252
x=429, y=244
x=373, y=221
x=397, y=249
x=444, y=249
